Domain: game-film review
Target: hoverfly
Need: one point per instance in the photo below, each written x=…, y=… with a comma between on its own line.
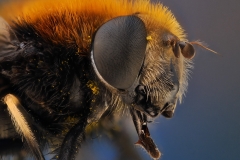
x=65, y=65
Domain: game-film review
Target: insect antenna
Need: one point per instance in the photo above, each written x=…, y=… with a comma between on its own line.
x=203, y=46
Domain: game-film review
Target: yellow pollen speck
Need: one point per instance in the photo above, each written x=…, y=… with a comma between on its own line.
x=149, y=38
x=92, y=85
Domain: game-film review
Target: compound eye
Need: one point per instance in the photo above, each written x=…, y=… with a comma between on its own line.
x=118, y=51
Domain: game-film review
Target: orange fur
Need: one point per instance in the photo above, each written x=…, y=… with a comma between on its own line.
x=74, y=22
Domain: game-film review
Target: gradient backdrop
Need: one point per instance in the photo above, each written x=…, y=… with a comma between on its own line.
x=206, y=126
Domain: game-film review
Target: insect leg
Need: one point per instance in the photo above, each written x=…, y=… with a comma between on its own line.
x=72, y=141
x=19, y=120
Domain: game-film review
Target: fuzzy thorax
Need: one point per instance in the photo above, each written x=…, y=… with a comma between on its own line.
x=73, y=22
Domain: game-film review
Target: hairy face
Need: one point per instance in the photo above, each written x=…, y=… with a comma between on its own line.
x=163, y=79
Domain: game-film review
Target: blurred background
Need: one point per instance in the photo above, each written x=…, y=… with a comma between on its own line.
x=207, y=124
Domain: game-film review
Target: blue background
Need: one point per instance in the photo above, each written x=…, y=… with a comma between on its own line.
x=206, y=126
